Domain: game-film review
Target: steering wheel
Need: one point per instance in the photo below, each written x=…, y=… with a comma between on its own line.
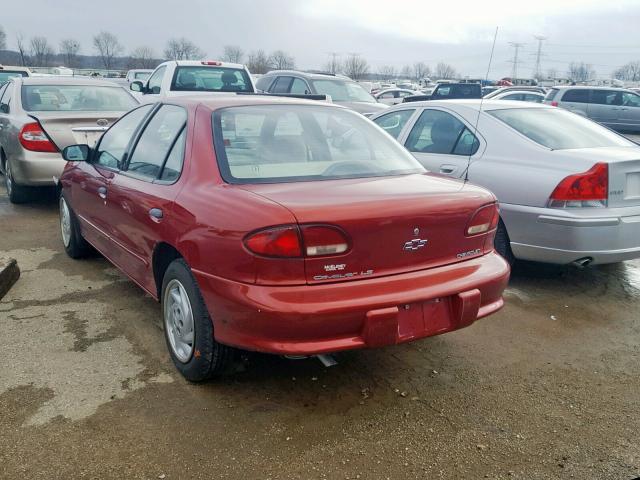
x=348, y=168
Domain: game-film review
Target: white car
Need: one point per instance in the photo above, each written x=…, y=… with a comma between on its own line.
x=141, y=74
x=569, y=188
x=393, y=96
x=522, y=96
x=186, y=77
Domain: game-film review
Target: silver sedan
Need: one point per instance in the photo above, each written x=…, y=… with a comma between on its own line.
x=569, y=189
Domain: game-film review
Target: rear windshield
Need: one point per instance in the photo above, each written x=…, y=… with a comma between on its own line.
x=6, y=75
x=342, y=91
x=211, y=79
x=76, y=98
x=551, y=94
x=559, y=129
x=295, y=143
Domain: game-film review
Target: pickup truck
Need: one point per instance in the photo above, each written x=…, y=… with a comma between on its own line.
x=186, y=77
x=445, y=91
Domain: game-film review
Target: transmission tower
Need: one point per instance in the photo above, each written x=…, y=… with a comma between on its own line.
x=537, y=73
x=516, y=50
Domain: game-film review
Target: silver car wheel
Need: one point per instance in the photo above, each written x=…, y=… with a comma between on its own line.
x=7, y=177
x=65, y=222
x=178, y=320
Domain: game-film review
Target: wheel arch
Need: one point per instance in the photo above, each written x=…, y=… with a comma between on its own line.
x=163, y=254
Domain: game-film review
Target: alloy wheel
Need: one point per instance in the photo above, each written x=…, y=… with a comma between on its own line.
x=178, y=320
x=65, y=222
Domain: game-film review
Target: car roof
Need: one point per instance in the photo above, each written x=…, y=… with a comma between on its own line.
x=472, y=104
x=528, y=92
x=63, y=80
x=202, y=63
x=215, y=102
x=309, y=75
x=585, y=87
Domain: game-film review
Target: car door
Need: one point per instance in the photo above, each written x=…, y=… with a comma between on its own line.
x=142, y=194
x=4, y=116
x=395, y=122
x=92, y=179
x=630, y=110
x=604, y=106
x=442, y=142
x=154, y=85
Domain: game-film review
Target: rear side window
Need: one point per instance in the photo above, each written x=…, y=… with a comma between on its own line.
x=440, y=132
x=264, y=83
x=211, y=79
x=576, y=96
x=394, y=122
x=558, y=129
x=157, y=141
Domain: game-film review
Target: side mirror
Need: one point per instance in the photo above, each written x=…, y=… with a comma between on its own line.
x=76, y=153
x=136, y=86
x=4, y=108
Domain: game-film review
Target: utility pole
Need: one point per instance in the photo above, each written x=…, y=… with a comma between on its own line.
x=537, y=73
x=334, y=62
x=516, y=46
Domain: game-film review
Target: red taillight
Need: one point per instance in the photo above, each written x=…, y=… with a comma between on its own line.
x=554, y=104
x=32, y=137
x=484, y=220
x=323, y=240
x=289, y=241
x=588, y=189
x=281, y=241
x=211, y=62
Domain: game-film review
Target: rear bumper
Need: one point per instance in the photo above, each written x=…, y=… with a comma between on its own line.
x=559, y=236
x=314, y=319
x=37, y=168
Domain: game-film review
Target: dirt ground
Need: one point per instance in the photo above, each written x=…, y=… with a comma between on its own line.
x=548, y=388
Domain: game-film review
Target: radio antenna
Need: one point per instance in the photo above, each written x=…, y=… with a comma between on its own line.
x=486, y=79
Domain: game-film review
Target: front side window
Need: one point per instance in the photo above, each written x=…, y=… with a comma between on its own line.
x=630, y=99
x=299, y=86
x=342, y=90
x=394, y=122
x=281, y=85
x=114, y=142
x=293, y=143
x=210, y=79
x=6, y=75
x=559, y=129
x=156, y=141
x=440, y=132
x=76, y=98
x=606, y=97
x=155, y=81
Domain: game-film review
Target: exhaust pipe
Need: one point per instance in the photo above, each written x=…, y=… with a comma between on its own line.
x=582, y=262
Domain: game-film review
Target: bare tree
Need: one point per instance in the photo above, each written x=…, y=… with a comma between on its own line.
x=258, y=62
x=142, y=57
x=182, y=49
x=22, y=49
x=581, y=72
x=406, y=72
x=3, y=39
x=333, y=65
x=281, y=60
x=387, y=72
x=108, y=47
x=629, y=72
x=444, y=71
x=69, y=49
x=355, y=66
x=552, y=73
x=233, y=54
x=421, y=70
x=41, y=51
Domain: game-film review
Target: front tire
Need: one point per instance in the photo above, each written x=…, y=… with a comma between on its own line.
x=188, y=328
x=17, y=193
x=74, y=244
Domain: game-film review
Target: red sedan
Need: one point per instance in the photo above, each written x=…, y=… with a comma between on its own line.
x=282, y=226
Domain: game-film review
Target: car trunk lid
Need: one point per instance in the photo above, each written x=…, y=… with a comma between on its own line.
x=392, y=224
x=70, y=128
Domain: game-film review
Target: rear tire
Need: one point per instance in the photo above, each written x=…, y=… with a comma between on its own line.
x=74, y=244
x=17, y=193
x=502, y=244
x=188, y=328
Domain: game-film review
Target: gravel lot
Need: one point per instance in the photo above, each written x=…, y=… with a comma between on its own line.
x=548, y=388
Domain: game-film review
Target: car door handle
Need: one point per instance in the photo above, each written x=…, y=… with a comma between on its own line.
x=156, y=214
x=447, y=169
x=102, y=192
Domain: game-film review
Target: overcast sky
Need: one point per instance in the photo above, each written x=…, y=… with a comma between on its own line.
x=460, y=32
